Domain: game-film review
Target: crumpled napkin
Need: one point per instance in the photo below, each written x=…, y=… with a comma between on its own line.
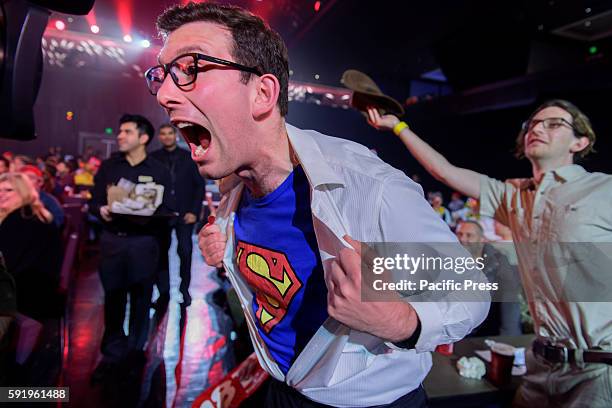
x=471, y=367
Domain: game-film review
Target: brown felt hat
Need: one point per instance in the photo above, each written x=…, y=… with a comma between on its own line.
x=366, y=94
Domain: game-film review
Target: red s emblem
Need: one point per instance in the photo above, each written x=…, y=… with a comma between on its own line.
x=275, y=282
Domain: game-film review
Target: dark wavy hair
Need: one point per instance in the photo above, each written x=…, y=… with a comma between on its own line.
x=143, y=125
x=255, y=43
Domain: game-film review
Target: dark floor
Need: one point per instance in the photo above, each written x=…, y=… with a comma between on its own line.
x=187, y=351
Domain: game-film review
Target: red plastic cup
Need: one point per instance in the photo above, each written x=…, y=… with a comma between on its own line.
x=502, y=358
x=445, y=349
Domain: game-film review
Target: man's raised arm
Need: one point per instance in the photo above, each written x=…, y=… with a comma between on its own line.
x=463, y=180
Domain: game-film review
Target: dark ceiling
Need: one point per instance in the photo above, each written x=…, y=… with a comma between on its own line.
x=398, y=41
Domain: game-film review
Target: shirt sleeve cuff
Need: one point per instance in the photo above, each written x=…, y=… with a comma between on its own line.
x=431, y=330
x=432, y=327
x=410, y=342
x=487, y=196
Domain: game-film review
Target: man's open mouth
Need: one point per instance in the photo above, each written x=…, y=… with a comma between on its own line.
x=197, y=137
x=532, y=141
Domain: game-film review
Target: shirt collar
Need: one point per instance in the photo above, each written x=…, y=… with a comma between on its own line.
x=569, y=173
x=311, y=158
x=562, y=174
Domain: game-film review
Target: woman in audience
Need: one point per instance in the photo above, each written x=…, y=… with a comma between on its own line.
x=31, y=246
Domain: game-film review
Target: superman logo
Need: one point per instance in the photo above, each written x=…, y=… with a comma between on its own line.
x=275, y=282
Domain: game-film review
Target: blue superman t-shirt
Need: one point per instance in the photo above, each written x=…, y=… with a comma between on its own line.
x=277, y=254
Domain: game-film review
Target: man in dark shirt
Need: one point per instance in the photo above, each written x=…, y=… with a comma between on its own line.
x=505, y=313
x=128, y=246
x=187, y=189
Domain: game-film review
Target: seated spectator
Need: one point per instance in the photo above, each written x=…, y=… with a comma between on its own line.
x=19, y=161
x=471, y=212
x=4, y=165
x=84, y=177
x=456, y=202
x=64, y=176
x=40, y=162
x=436, y=203
x=51, y=203
x=54, y=151
x=49, y=185
x=31, y=246
x=504, y=317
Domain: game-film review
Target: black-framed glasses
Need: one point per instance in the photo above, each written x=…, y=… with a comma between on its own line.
x=184, y=70
x=548, y=124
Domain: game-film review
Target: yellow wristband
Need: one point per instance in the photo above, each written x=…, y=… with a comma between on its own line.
x=397, y=129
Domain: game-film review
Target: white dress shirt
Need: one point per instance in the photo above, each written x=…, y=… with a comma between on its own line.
x=356, y=193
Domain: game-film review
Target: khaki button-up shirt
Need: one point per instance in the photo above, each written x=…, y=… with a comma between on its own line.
x=562, y=229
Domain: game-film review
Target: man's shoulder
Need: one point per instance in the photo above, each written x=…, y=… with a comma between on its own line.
x=156, y=167
x=491, y=252
x=598, y=186
x=154, y=161
x=184, y=155
x=327, y=141
x=114, y=158
x=179, y=151
x=44, y=196
x=348, y=156
x=156, y=153
x=184, y=152
x=599, y=177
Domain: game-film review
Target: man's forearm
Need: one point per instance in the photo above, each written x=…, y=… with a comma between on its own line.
x=399, y=325
x=427, y=156
x=464, y=180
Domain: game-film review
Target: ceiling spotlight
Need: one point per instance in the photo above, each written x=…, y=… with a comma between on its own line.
x=94, y=29
x=316, y=76
x=60, y=25
x=145, y=43
x=127, y=38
